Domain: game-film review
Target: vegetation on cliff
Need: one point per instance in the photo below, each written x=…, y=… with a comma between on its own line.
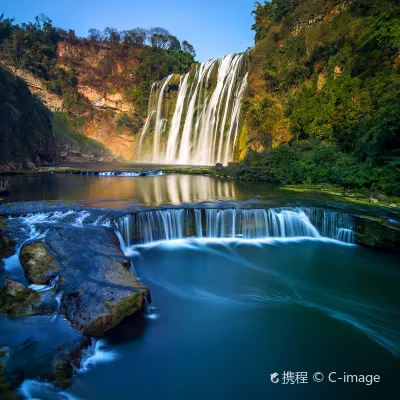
x=324, y=94
x=34, y=46
x=100, y=84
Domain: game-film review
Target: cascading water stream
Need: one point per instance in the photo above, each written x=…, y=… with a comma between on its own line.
x=205, y=121
x=149, y=226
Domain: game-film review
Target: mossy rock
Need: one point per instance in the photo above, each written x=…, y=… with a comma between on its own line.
x=6, y=244
x=378, y=233
x=19, y=301
x=115, y=312
x=39, y=265
x=62, y=373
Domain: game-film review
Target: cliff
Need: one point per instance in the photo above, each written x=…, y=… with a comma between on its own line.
x=102, y=114
x=26, y=134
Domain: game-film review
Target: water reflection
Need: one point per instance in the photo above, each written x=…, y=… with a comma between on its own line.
x=167, y=189
x=172, y=189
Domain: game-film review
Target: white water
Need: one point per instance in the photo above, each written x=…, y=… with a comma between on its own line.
x=160, y=120
x=35, y=390
x=204, y=126
x=97, y=352
x=151, y=226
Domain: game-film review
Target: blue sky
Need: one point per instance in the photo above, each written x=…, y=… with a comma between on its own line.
x=214, y=27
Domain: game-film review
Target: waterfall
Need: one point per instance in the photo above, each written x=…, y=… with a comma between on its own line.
x=160, y=121
x=172, y=143
x=332, y=224
x=148, y=226
x=205, y=121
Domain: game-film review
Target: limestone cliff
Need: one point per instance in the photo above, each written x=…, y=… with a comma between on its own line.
x=104, y=117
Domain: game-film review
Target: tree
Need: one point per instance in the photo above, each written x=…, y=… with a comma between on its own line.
x=95, y=35
x=136, y=37
x=173, y=43
x=5, y=27
x=112, y=35
x=186, y=46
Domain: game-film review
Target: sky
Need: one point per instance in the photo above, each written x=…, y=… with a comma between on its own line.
x=213, y=27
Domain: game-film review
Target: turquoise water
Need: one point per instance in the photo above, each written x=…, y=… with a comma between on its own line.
x=227, y=315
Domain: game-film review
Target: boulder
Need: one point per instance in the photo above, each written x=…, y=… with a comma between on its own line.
x=98, y=290
x=378, y=233
x=39, y=265
x=19, y=301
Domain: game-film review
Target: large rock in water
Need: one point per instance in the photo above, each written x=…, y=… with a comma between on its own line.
x=98, y=290
x=39, y=265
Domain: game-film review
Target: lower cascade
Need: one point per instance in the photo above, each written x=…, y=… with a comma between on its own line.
x=148, y=226
x=195, y=120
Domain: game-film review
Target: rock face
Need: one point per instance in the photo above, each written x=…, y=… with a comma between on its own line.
x=98, y=290
x=39, y=265
x=376, y=232
x=26, y=135
x=36, y=86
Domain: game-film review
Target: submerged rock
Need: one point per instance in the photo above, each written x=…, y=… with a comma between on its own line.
x=42, y=348
x=39, y=265
x=98, y=290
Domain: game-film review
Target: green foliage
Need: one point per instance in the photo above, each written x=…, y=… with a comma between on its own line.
x=266, y=119
x=336, y=72
x=313, y=163
x=155, y=64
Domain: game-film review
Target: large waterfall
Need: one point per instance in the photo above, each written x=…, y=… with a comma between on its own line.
x=148, y=226
x=195, y=120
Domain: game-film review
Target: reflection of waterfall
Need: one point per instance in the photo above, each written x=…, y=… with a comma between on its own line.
x=202, y=127
x=149, y=226
x=178, y=189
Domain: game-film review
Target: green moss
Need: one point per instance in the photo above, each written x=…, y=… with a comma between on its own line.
x=21, y=305
x=39, y=265
x=126, y=307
